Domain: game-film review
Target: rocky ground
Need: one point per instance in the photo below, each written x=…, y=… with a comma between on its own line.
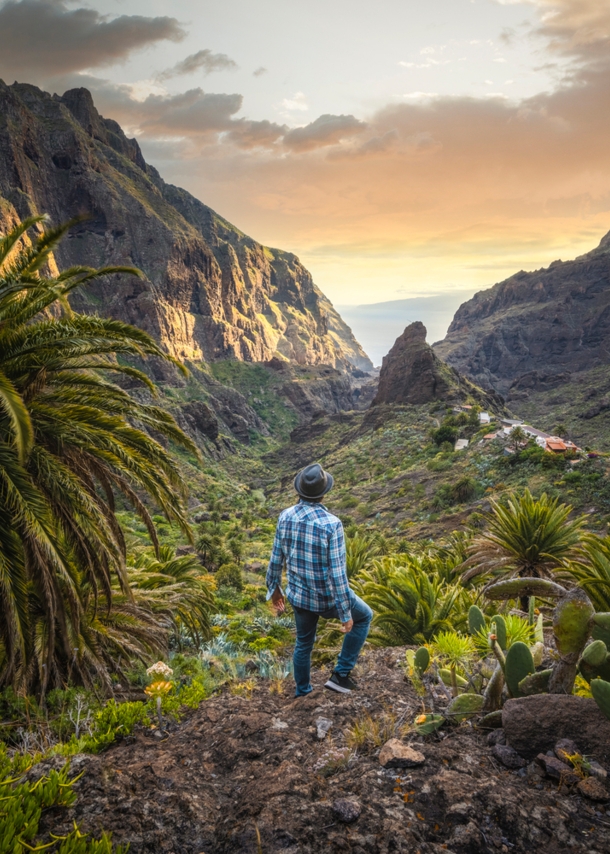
x=243, y=767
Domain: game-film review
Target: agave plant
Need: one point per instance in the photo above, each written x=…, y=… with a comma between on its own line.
x=456, y=651
x=70, y=441
x=592, y=571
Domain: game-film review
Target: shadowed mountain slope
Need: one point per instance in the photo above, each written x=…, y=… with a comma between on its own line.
x=536, y=325
x=209, y=292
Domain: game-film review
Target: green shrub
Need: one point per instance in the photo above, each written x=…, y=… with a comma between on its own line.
x=445, y=433
x=229, y=575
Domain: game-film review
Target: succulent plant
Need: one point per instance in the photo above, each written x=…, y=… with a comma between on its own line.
x=445, y=675
x=595, y=653
x=572, y=624
x=601, y=627
x=601, y=694
x=500, y=632
x=532, y=610
x=515, y=588
x=421, y=660
x=519, y=664
x=425, y=724
x=492, y=698
x=465, y=706
x=535, y=683
x=539, y=630
x=476, y=620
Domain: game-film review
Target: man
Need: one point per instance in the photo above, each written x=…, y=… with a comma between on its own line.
x=310, y=541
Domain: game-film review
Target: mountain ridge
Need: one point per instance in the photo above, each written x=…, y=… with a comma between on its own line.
x=210, y=292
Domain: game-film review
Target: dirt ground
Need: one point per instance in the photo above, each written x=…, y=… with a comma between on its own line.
x=241, y=766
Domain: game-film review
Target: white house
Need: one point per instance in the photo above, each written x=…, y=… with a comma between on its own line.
x=461, y=444
x=484, y=418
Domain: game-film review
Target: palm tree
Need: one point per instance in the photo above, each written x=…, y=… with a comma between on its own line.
x=526, y=537
x=70, y=441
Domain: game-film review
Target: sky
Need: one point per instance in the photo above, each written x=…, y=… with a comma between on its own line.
x=402, y=149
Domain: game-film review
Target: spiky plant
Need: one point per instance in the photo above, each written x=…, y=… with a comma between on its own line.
x=360, y=551
x=592, y=570
x=527, y=536
x=70, y=441
x=456, y=651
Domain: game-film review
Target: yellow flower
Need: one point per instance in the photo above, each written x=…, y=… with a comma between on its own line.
x=421, y=719
x=158, y=689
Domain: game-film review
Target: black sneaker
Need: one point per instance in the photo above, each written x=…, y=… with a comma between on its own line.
x=342, y=684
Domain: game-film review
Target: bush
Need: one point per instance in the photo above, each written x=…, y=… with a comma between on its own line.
x=445, y=433
x=229, y=575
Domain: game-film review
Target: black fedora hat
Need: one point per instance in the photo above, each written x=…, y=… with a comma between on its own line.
x=313, y=482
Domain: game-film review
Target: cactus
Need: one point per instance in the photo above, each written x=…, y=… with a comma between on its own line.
x=601, y=628
x=539, y=630
x=491, y=721
x=519, y=664
x=535, y=683
x=497, y=650
x=531, y=617
x=595, y=654
x=500, y=631
x=492, y=699
x=445, y=675
x=601, y=694
x=465, y=706
x=537, y=653
x=421, y=660
x=425, y=724
x=476, y=620
x=514, y=588
x=572, y=624
x=588, y=672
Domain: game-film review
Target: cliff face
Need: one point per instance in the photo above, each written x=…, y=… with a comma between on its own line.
x=534, y=327
x=210, y=291
x=412, y=373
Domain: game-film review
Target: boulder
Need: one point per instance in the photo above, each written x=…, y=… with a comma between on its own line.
x=347, y=810
x=558, y=770
x=396, y=754
x=535, y=724
x=593, y=789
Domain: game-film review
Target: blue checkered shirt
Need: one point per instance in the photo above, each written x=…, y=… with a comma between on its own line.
x=310, y=541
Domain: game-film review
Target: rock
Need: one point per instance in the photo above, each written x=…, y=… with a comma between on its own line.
x=565, y=747
x=201, y=418
x=535, y=772
x=535, y=724
x=596, y=770
x=396, y=754
x=558, y=770
x=323, y=726
x=593, y=789
x=209, y=291
x=413, y=373
x=508, y=756
x=533, y=328
x=496, y=736
x=347, y=810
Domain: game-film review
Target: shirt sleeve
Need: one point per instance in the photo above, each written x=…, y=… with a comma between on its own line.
x=338, y=574
x=276, y=565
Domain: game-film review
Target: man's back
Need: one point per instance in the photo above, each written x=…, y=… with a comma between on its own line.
x=311, y=542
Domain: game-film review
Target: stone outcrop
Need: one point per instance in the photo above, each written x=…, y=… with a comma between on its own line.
x=412, y=373
x=209, y=291
x=535, y=327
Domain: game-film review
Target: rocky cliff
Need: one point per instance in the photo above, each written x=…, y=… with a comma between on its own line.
x=534, y=327
x=209, y=292
x=412, y=373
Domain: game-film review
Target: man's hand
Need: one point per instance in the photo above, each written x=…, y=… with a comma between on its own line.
x=347, y=627
x=277, y=600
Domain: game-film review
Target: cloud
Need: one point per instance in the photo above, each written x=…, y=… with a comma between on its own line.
x=297, y=102
x=203, y=60
x=42, y=38
x=325, y=130
x=259, y=71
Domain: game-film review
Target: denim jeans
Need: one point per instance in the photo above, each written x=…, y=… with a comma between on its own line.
x=307, y=622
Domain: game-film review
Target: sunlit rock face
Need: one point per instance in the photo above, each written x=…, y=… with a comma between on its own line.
x=534, y=329
x=209, y=291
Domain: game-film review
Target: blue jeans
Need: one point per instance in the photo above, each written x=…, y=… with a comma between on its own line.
x=307, y=622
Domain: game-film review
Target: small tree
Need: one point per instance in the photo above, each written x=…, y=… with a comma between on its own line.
x=517, y=438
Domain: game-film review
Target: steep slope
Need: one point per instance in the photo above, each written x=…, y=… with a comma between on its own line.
x=540, y=324
x=412, y=373
x=210, y=291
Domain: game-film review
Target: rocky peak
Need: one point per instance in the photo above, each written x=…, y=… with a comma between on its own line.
x=210, y=292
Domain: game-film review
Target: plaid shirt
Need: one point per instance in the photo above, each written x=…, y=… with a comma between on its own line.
x=310, y=541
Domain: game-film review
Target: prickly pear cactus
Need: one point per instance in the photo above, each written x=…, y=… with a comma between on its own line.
x=519, y=664
x=572, y=624
x=601, y=694
x=492, y=699
x=539, y=630
x=425, y=724
x=515, y=588
x=500, y=630
x=601, y=627
x=422, y=660
x=465, y=706
x=535, y=683
x=476, y=620
x=595, y=653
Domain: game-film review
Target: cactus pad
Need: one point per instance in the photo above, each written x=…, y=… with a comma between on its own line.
x=601, y=694
x=519, y=664
x=422, y=660
x=535, y=683
x=595, y=654
x=465, y=706
x=514, y=588
x=425, y=724
x=500, y=630
x=476, y=620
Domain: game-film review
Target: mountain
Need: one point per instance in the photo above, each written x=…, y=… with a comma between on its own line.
x=535, y=329
x=412, y=373
x=209, y=292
